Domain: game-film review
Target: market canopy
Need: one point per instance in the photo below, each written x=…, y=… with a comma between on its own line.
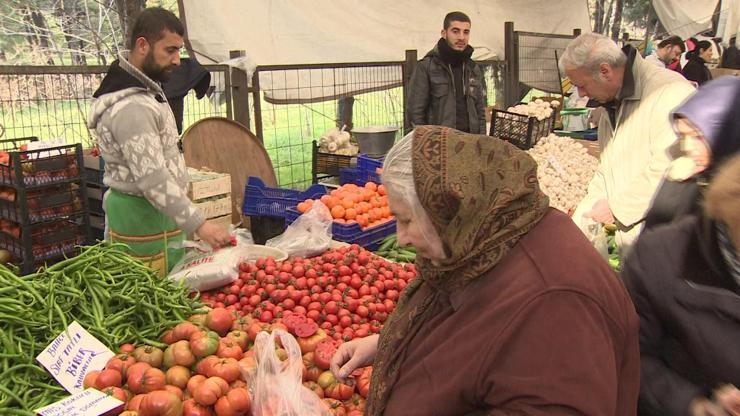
x=322, y=31
x=687, y=18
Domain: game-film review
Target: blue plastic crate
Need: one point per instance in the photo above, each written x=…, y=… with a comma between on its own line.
x=368, y=163
x=260, y=200
x=353, y=234
x=347, y=175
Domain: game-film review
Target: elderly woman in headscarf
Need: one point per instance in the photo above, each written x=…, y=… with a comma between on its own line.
x=708, y=127
x=684, y=278
x=514, y=312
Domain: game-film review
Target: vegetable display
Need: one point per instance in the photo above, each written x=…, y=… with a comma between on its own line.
x=365, y=205
x=537, y=108
x=390, y=250
x=564, y=170
x=115, y=297
x=337, y=141
x=343, y=294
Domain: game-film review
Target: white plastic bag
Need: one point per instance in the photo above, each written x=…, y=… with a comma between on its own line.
x=277, y=387
x=309, y=235
x=202, y=268
x=596, y=235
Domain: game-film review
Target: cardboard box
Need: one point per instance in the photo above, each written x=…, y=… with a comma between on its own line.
x=213, y=184
x=215, y=207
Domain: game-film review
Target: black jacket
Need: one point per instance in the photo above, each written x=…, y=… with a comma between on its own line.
x=696, y=70
x=432, y=96
x=689, y=308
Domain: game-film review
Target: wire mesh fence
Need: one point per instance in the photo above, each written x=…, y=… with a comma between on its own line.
x=300, y=103
x=52, y=102
x=538, y=59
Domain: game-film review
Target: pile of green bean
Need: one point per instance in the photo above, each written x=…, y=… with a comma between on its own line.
x=391, y=250
x=115, y=297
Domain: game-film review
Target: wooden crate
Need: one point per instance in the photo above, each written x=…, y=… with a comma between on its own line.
x=215, y=207
x=201, y=189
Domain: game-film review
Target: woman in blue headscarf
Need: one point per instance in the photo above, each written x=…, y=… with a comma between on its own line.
x=708, y=127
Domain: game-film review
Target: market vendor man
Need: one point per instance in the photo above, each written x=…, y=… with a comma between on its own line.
x=447, y=87
x=147, y=206
x=634, y=135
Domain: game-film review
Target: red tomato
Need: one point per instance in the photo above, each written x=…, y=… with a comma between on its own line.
x=191, y=408
x=309, y=344
x=325, y=350
x=219, y=320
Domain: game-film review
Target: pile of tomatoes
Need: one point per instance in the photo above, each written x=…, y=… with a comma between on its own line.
x=205, y=368
x=207, y=365
x=364, y=205
x=347, y=292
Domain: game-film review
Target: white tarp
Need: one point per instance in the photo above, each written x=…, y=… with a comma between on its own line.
x=687, y=18
x=276, y=32
x=729, y=21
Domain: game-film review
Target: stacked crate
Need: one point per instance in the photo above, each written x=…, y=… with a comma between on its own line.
x=94, y=170
x=211, y=193
x=43, y=209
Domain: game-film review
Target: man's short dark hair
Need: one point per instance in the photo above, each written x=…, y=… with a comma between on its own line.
x=454, y=17
x=673, y=41
x=152, y=22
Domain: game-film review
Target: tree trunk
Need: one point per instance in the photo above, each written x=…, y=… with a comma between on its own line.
x=618, y=8
x=607, y=18
x=599, y=17
x=68, y=13
x=40, y=27
x=127, y=12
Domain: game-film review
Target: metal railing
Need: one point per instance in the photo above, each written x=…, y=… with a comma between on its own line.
x=287, y=106
x=52, y=102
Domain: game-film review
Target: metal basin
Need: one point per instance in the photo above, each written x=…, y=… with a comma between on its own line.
x=375, y=141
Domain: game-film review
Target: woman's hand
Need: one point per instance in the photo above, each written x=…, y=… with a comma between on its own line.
x=353, y=355
x=728, y=398
x=726, y=403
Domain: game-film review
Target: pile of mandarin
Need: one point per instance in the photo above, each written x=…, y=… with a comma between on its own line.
x=365, y=205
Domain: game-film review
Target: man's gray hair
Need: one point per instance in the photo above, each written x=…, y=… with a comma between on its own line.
x=589, y=50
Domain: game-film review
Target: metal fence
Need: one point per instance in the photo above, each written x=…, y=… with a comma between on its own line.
x=52, y=102
x=532, y=61
x=299, y=103
x=288, y=106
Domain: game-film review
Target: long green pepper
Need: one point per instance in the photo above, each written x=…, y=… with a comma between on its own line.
x=115, y=297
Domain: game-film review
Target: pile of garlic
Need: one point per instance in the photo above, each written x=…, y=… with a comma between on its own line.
x=537, y=108
x=564, y=170
x=337, y=141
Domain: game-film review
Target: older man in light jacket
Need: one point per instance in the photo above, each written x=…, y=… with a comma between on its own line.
x=634, y=134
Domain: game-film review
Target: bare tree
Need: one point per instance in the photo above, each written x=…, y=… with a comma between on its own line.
x=127, y=12
x=599, y=16
x=618, y=8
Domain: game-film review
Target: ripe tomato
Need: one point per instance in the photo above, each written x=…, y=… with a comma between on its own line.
x=309, y=344
x=161, y=403
x=325, y=350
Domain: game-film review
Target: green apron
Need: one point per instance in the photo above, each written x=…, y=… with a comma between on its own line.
x=134, y=221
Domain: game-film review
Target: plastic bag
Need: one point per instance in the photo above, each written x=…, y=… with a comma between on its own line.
x=277, y=387
x=309, y=235
x=596, y=235
x=202, y=268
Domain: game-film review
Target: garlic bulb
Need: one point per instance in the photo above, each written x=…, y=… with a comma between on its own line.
x=564, y=170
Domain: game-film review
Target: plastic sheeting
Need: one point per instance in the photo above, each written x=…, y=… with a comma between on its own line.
x=322, y=31
x=687, y=18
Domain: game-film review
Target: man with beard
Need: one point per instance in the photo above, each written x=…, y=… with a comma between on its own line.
x=447, y=87
x=147, y=206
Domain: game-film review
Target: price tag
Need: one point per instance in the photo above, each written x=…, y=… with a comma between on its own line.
x=72, y=355
x=88, y=402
